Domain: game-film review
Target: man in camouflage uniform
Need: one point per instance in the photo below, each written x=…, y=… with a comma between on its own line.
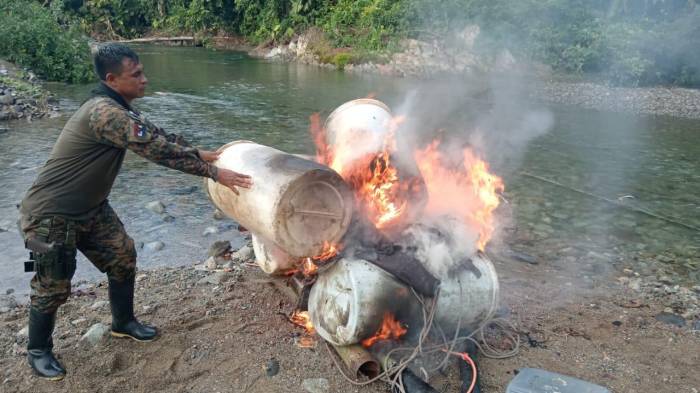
x=66, y=209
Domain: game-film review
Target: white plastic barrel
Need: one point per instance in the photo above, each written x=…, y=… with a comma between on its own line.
x=348, y=301
x=272, y=259
x=363, y=124
x=471, y=292
x=366, y=124
x=295, y=203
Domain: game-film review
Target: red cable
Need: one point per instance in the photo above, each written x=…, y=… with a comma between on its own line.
x=469, y=360
x=466, y=358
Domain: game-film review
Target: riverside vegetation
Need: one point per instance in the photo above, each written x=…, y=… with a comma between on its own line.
x=624, y=42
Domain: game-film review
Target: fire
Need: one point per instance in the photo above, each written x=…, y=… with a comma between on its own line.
x=308, y=267
x=302, y=318
x=390, y=329
x=378, y=188
x=468, y=190
x=329, y=251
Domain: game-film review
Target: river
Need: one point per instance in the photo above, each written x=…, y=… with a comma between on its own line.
x=638, y=178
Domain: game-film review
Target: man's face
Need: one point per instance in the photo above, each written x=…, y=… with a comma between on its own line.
x=131, y=82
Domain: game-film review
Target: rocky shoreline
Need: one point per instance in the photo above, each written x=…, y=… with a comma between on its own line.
x=22, y=95
x=224, y=327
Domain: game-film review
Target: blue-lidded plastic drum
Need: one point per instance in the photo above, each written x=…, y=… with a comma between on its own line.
x=534, y=380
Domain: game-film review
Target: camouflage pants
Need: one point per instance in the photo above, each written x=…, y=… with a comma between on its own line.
x=102, y=239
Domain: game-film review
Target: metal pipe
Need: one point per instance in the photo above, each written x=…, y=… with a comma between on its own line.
x=358, y=361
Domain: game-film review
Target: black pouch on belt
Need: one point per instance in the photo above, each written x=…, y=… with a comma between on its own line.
x=56, y=259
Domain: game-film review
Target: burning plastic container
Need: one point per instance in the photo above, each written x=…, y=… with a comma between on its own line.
x=364, y=143
x=471, y=292
x=272, y=259
x=348, y=301
x=361, y=124
x=295, y=203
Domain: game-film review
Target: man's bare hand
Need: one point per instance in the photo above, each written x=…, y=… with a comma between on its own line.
x=233, y=179
x=208, y=156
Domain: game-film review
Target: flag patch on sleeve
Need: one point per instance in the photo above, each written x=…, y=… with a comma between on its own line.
x=139, y=132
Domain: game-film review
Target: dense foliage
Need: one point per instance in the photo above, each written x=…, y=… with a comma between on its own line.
x=40, y=38
x=624, y=41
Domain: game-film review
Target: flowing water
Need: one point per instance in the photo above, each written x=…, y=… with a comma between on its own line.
x=213, y=97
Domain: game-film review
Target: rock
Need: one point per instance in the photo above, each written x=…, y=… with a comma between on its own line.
x=219, y=215
x=229, y=265
x=214, y=279
x=8, y=301
x=243, y=254
x=99, y=305
x=316, y=385
x=7, y=99
x=10, y=291
x=227, y=226
x=272, y=367
x=671, y=319
x=24, y=332
x=78, y=322
x=210, y=231
x=154, y=246
x=156, y=207
x=696, y=325
x=219, y=248
x=665, y=280
x=167, y=218
x=210, y=263
x=521, y=256
x=95, y=334
x=635, y=284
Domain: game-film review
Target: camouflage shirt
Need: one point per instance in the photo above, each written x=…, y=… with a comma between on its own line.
x=89, y=152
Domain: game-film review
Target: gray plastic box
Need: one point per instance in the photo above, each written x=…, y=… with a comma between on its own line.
x=534, y=380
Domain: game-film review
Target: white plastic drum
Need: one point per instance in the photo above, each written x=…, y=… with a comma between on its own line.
x=295, y=203
x=348, y=301
x=272, y=259
x=471, y=292
x=363, y=124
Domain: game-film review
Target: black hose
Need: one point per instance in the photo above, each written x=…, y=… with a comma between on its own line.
x=465, y=370
x=413, y=384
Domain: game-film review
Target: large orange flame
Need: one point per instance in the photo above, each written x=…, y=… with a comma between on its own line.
x=467, y=190
x=378, y=189
x=390, y=329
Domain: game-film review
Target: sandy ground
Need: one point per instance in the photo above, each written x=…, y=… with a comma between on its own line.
x=220, y=330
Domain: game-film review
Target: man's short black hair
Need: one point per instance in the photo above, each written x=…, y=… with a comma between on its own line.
x=108, y=58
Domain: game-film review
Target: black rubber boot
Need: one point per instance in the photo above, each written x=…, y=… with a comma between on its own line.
x=39, y=353
x=124, y=323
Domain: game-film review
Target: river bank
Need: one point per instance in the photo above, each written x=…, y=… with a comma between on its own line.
x=227, y=330
x=457, y=55
x=22, y=95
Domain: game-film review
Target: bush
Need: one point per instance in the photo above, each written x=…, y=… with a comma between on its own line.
x=366, y=24
x=32, y=37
